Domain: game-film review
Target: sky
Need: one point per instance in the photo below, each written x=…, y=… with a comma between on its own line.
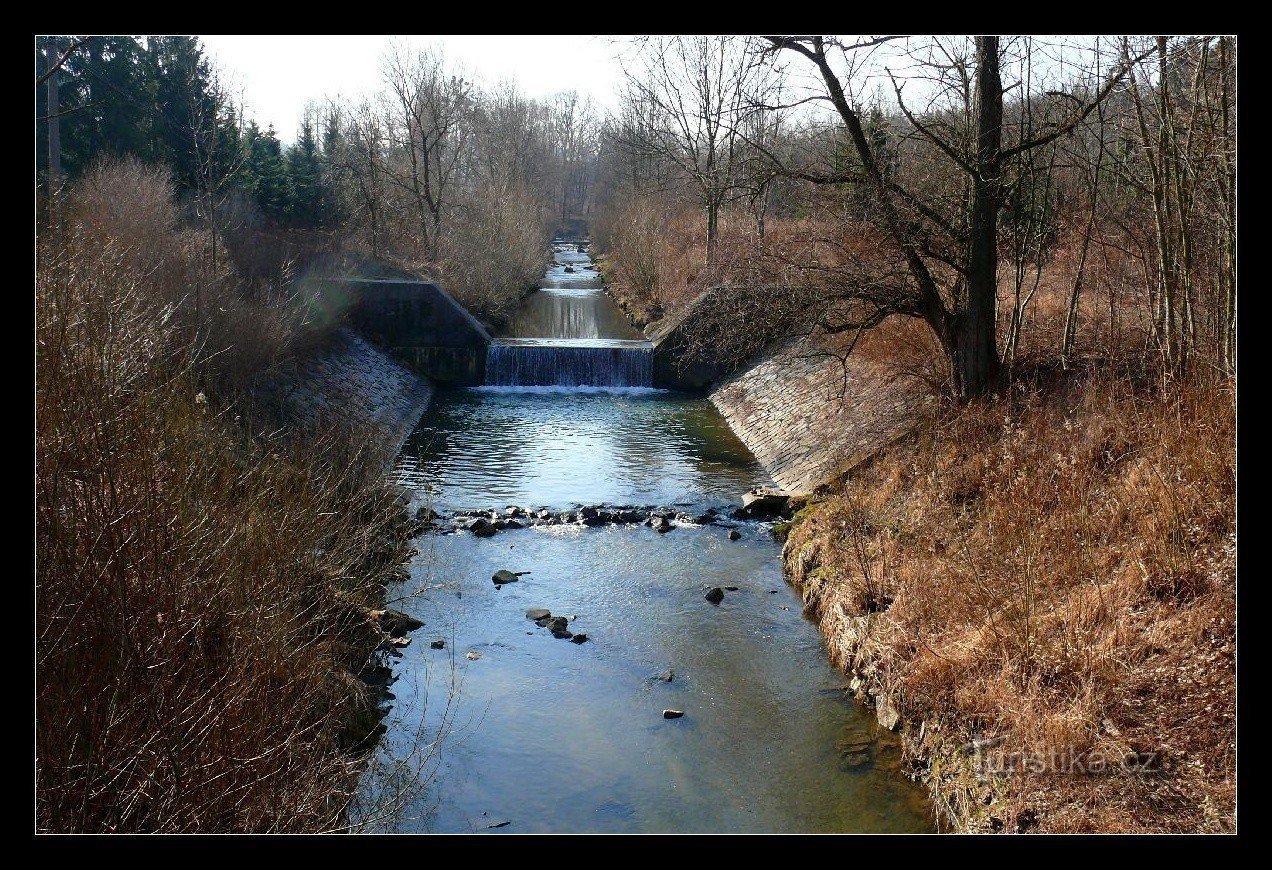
x=277, y=75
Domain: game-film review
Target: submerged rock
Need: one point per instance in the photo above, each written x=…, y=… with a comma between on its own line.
x=667, y=676
x=715, y=595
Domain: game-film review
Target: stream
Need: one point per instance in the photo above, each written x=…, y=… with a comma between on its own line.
x=508, y=729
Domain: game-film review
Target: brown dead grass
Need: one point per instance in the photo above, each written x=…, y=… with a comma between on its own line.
x=201, y=590
x=1055, y=568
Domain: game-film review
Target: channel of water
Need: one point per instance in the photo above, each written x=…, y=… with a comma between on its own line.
x=540, y=734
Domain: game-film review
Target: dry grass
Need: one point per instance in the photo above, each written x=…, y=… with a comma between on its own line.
x=1055, y=568
x=201, y=592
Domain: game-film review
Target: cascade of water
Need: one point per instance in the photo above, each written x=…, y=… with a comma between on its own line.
x=570, y=363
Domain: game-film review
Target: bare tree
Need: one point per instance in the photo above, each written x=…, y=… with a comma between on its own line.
x=428, y=128
x=695, y=92
x=949, y=243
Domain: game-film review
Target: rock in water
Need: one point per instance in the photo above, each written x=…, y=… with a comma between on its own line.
x=558, y=623
x=438, y=644
x=667, y=676
x=715, y=595
x=537, y=613
x=734, y=534
x=730, y=589
x=673, y=714
x=472, y=655
x=562, y=635
x=765, y=500
x=579, y=638
x=503, y=576
x=395, y=622
x=482, y=527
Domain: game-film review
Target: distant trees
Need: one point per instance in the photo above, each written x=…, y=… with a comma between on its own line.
x=688, y=98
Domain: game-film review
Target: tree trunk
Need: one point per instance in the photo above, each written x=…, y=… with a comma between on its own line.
x=713, y=229
x=975, y=362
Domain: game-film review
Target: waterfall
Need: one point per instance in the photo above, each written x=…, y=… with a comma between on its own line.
x=569, y=363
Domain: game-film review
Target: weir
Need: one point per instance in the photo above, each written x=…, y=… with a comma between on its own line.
x=569, y=363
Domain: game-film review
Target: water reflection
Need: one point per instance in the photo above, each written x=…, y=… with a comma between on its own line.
x=561, y=737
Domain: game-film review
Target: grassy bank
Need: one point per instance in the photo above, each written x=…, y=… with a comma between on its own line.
x=1040, y=585
x=202, y=588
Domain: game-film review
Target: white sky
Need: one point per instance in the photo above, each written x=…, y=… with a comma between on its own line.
x=277, y=75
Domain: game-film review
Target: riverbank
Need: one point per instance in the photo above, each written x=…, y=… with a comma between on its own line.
x=210, y=563
x=1039, y=592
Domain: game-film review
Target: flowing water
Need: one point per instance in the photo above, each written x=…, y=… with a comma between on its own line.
x=552, y=736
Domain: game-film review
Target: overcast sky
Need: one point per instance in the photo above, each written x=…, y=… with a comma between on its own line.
x=277, y=75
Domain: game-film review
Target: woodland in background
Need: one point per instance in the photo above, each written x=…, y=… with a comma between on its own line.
x=434, y=176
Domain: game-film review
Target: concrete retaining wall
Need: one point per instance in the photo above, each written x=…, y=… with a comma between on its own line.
x=419, y=323
x=805, y=422
x=350, y=379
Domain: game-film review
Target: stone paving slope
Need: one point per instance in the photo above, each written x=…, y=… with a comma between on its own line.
x=353, y=379
x=804, y=422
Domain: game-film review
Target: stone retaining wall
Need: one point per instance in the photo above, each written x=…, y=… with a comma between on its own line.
x=352, y=379
x=807, y=419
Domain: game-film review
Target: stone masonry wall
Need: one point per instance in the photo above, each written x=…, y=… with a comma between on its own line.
x=349, y=378
x=805, y=422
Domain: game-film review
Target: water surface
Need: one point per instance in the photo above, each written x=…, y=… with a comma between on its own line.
x=551, y=736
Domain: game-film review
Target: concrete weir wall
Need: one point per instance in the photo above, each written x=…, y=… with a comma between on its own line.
x=804, y=421
x=352, y=379
x=421, y=324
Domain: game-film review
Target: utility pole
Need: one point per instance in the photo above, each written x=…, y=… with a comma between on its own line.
x=55, y=137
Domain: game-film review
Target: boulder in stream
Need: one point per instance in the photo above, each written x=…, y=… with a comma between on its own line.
x=538, y=613
x=482, y=527
x=673, y=714
x=715, y=595
x=503, y=576
x=734, y=534
x=395, y=623
x=765, y=501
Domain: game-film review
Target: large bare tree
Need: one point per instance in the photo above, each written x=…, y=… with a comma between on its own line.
x=945, y=228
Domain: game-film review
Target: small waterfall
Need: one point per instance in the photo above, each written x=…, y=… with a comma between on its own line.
x=569, y=363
